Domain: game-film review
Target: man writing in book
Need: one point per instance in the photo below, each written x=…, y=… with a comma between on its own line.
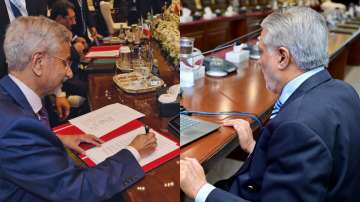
x=34, y=164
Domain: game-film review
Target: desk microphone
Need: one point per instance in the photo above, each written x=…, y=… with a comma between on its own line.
x=229, y=43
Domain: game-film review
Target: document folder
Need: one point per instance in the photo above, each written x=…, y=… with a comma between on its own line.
x=167, y=148
x=111, y=51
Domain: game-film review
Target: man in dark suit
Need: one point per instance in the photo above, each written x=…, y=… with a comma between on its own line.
x=309, y=150
x=34, y=7
x=63, y=12
x=84, y=20
x=34, y=164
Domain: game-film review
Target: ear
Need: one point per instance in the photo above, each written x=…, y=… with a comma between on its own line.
x=38, y=63
x=284, y=58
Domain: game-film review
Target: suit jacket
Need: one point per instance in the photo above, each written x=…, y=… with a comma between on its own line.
x=308, y=152
x=78, y=28
x=35, y=166
x=34, y=7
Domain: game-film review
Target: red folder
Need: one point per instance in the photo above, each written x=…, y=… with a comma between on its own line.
x=69, y=129
x=102, y=48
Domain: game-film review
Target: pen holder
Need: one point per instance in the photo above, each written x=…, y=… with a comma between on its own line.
x=167, y=109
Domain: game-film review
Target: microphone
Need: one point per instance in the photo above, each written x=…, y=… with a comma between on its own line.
x=230, y=43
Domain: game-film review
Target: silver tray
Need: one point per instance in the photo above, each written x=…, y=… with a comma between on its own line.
x=133, y=82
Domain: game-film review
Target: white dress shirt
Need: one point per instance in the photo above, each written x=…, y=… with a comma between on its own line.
x=33, y=98
x=20, y=4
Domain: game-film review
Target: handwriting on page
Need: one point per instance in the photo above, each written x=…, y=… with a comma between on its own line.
x=164, y=147
x=106, y=119
x=107, y=149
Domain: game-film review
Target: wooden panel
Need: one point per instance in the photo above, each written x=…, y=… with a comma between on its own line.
x=354, y=57
x=231, y=28
x=216, y=35
x=337, y=66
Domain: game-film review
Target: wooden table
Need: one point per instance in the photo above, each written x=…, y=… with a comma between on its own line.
x=162, y=183
x=340, y=46
x=243, y=91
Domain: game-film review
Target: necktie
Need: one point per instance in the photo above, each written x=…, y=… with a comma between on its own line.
x=276, y=109
x=82, y=17
x=15, y=10
x=44, y=117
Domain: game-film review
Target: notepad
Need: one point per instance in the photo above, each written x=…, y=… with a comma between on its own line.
x=110, y=51
x=117, y=126
x=107, y=149
x=105, y=119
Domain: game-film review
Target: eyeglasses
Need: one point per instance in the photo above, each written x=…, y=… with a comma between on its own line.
x=66, y=62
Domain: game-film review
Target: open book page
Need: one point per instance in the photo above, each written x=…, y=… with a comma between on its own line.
x=107, y=149
x=106, y=119
x=164, y=146
x=100, y=54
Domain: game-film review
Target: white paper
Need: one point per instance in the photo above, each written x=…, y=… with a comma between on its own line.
x=106, y=119
x=164, y=146
x=94, y=54
x=107, y=149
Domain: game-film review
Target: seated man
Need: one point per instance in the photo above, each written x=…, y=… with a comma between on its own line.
x=34, y=164
x=85, y=24
x=309, y=149
x=62, y=11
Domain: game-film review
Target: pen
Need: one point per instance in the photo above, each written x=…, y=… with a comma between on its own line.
x=147, y=129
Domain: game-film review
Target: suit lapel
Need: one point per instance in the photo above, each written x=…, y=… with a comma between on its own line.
x=15, y=93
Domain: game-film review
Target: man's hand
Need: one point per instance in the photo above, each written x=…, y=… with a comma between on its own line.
x=245, y=135
x=94, y=33
x=73, y=141
x=62, y=107
x=192, y=176
x=79, y=47
x=145, y=144
x=82, y=40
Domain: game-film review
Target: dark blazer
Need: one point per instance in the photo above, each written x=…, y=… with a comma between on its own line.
x=78, y=28
x=34, y=7
x=308, y=152
x=35, y=166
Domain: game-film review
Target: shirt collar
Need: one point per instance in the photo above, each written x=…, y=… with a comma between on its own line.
x=292, y=85
x=33, y=99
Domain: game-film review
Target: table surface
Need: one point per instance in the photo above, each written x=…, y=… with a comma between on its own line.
x=243, y=91
x=165, y=178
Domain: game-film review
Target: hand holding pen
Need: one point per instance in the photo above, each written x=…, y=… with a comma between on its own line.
x=145, y=144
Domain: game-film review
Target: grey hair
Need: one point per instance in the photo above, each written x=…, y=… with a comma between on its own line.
x=28, y=35
x=303, y=32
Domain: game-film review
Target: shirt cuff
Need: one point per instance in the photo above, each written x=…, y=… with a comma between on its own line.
x=204, y=192
x=59, y=93
x=74, y=38
x=134, y=152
